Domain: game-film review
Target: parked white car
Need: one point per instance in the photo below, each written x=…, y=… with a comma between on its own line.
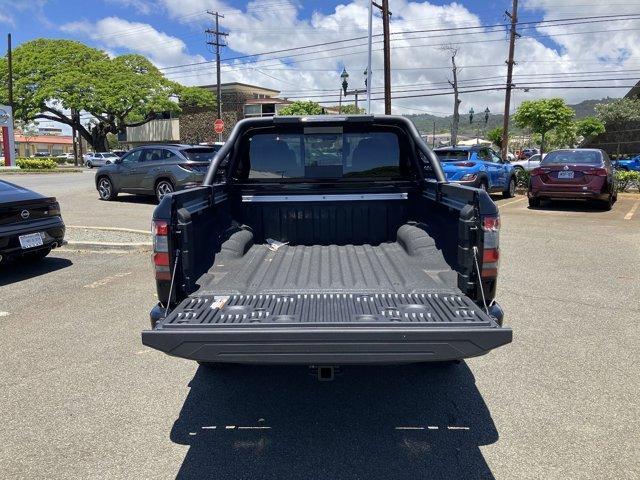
x=99, y=159
x=528, y=164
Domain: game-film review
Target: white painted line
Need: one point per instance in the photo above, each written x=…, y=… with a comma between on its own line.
x=210, y=427
x=457, y=428
x=230, y=427
x=409, y=428
x=632, y=211
x=432, y=427
x=254, y=428
x=512, y=202
x=4, y=314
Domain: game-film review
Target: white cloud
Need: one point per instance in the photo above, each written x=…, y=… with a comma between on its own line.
x=144, y=7
x=418, y=61
x=115, y=33
x=6, y=18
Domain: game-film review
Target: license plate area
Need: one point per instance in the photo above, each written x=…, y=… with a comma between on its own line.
x=566, y=174
x=31, y=240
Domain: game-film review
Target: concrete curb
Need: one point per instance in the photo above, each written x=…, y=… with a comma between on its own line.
x=128, y=247
x=110, y=229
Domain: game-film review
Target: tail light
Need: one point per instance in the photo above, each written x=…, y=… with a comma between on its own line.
x=598, y=172
x=464, y=164
x=189, y=167
x=491, y=252
x=161, y=260
x=537, y=171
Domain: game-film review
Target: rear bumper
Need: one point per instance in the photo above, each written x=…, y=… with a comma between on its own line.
x=327, y=345
x=568, y=194
x=53, y=229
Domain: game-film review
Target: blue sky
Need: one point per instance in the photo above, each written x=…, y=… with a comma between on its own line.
x=33, y=19
x=170, y=33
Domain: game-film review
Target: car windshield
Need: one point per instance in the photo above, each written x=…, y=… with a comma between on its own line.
x=201, y=154
x=575, y=157
x=452, y=155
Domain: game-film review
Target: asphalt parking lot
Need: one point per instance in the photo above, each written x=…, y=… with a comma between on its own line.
x=82, y=398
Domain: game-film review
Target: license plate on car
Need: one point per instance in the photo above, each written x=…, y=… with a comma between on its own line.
x=565, y=174
x=31, y=240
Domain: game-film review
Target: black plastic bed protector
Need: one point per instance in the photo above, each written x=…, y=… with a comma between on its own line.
x=420, y=309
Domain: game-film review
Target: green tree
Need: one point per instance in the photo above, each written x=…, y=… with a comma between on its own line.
x=542, y=116
x=302, y=108
x=53, y=77
x=29, y=130
x=349, y=109
x=589, y=127
x=619, y=112
x=495, y=136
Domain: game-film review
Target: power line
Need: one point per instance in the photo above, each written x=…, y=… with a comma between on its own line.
x=304, y=47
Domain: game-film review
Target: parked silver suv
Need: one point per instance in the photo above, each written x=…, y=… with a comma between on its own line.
x=155, y=170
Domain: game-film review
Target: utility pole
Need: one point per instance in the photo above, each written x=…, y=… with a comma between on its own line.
x=10, y=73
x=384, y=8
x=456, y=100
x=216, y=34
x=507, y=98
x=434, y=134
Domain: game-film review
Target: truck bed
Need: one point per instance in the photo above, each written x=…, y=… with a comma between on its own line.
x=384, y=268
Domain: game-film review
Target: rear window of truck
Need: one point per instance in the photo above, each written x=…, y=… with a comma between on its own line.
x=200, y=154
x=323, y=156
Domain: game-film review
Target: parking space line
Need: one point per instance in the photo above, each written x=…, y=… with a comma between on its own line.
x=629, y=215
x=511, y=202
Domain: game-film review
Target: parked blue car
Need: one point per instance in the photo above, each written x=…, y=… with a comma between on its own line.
x=628, y=164
x=478, y=166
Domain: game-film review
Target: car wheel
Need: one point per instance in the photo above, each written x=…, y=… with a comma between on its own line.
x=164, y=187
x=510, y=192
x=534, y=202
x=89, y=164
x=608, y=203
x=483, y=185
x=105, y=189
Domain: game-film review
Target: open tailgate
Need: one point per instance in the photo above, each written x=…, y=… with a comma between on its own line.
x=327, y=328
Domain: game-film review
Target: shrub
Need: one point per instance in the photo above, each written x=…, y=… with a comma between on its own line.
x=36, y=163
x=627, y=180
x=523, y=177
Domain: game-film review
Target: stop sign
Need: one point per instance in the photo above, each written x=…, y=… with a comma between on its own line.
x=218, y=126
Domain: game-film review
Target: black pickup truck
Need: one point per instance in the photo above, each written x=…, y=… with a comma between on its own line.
x=326, y=240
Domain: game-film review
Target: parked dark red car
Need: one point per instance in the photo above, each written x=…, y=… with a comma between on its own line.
x=574, y=174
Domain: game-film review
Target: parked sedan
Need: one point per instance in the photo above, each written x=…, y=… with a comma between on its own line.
x=628, y=164
x=528, y=164
x=30, y=223
x=99, y=159
x=574, y=174
x=155, y=170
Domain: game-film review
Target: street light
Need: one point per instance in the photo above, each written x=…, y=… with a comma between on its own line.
x=344, y=75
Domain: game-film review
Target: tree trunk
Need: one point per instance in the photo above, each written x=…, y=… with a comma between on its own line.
x=99, y=138
x=542, y=144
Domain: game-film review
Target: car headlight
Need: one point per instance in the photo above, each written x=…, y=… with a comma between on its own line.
x=469, y=177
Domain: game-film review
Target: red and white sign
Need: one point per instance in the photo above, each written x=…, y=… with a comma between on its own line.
x=6, y=126
x=218, y=126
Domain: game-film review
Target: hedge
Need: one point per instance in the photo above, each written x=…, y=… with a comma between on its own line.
x=628, y=181
x=36, y=163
